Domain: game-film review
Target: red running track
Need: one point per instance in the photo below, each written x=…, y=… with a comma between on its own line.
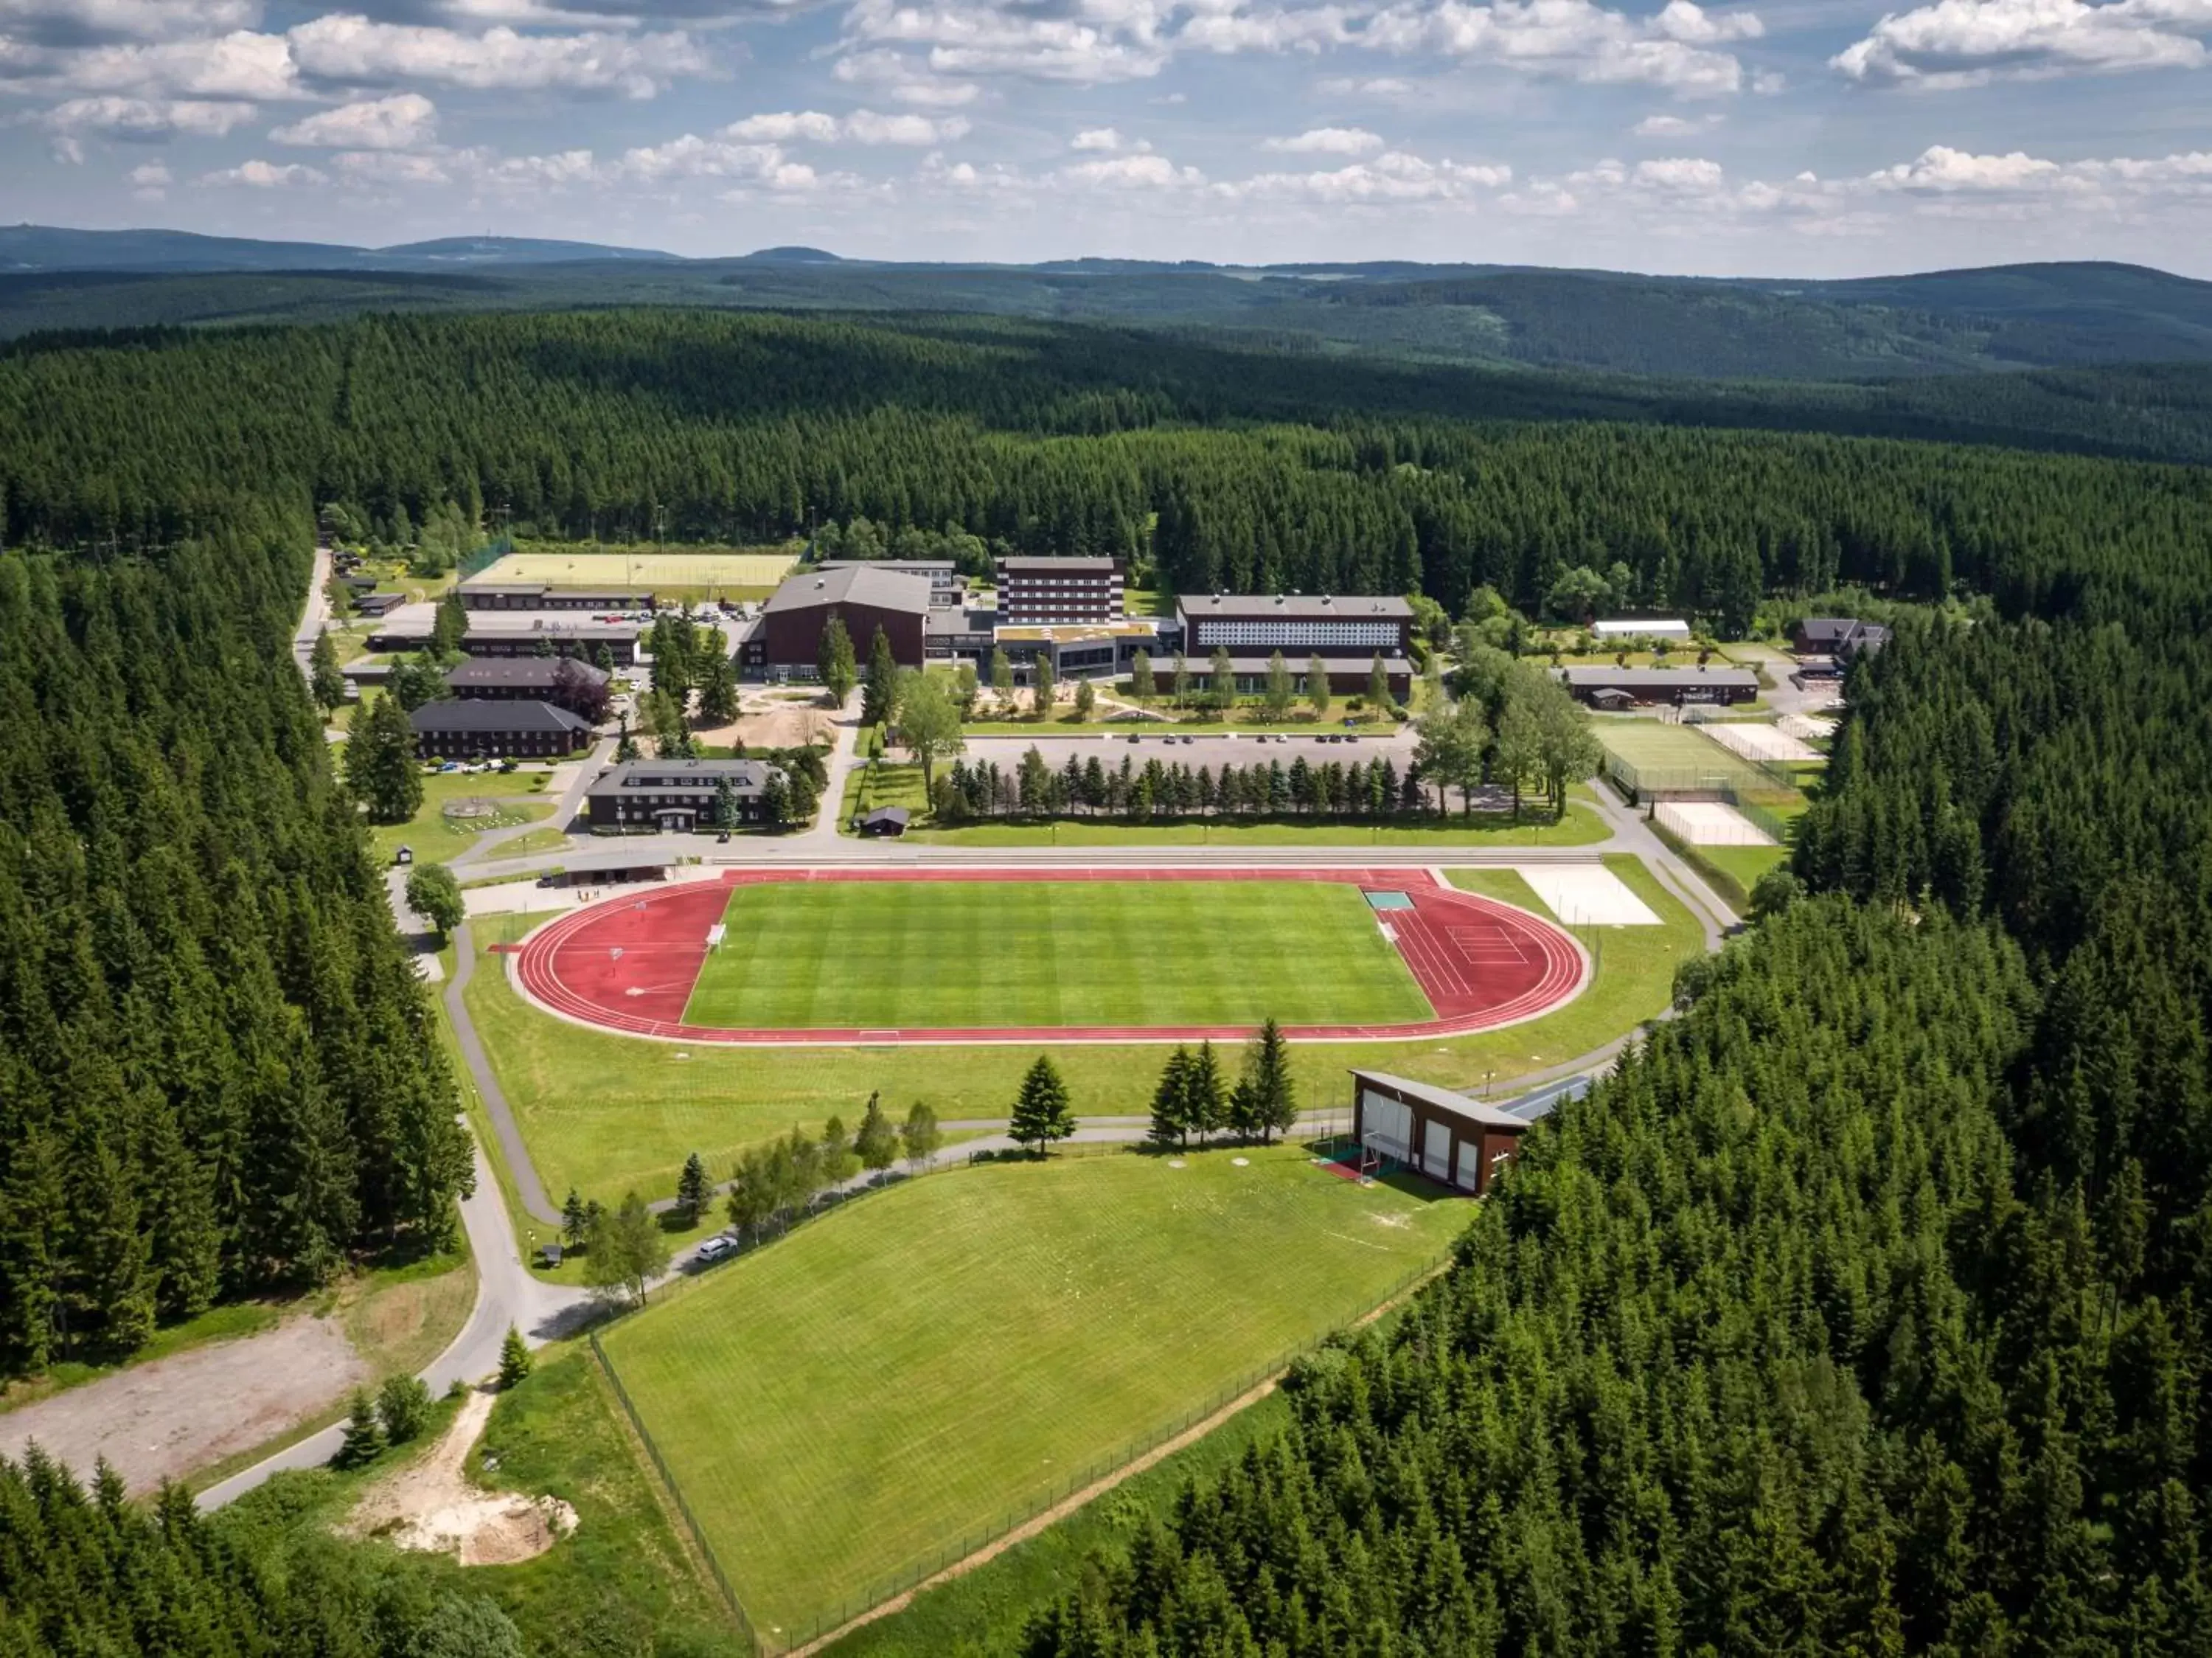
x=627, y=963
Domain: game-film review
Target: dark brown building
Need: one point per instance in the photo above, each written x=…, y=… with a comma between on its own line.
x=787, y=643
x=1452, y=1139
x=459, y=730
x=517, y=679
x=642, y=796
x=1347, y=633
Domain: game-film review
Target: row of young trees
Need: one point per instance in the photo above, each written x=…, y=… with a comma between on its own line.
x=1089, y=787
x=1191, y=1096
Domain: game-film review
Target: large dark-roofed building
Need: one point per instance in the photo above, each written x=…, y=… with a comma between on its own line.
x=1840, y=638
x=1044, y=592
x=945, y=587
x=464, y=730
x=787, y=644
x=1660, y=685
x=644, y=796
x=529, y=678
x=1450, y=1138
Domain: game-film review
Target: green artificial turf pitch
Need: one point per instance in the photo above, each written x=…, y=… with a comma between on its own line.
x=909, y=1375
x=915, y=954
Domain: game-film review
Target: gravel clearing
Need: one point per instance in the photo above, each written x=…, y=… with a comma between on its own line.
x=162, y=1420
x=433, y=1507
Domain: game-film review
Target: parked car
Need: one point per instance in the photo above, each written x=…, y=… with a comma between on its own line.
x=1190, y=739
x=1134, y=737
x=713, y=1249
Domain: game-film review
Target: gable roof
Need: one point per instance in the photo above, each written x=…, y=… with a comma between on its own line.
x=470, y=714
x=1304, y=606
x=853, y=584
x=520, y=671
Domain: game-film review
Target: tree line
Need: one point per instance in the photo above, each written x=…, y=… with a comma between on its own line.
x=1223, y=470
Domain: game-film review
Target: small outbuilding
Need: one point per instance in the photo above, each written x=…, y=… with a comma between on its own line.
x=885, y=820
x=1643, y=627
x=1458, y=1142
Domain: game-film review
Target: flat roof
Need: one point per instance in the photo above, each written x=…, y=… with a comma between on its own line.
x=1443, y=1100
x=1200, y=667
x=1047, y=566
x=1659, y=677
x=852, y=584
x=1303, y=606
x=1632, y=625
x=1072, y=633
x=910, y=566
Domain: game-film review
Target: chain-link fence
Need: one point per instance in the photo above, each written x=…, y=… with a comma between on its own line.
x=913, y=1575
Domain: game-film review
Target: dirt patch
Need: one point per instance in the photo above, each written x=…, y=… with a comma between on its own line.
x=163, y=1420
x=773, y=724
x=432, y=1505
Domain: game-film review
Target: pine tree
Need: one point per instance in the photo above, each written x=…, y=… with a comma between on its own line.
x=1205, y=1094
x=625, y=744
x=880, y=696
x=718, y=683
x=515, y=1361
x=694, y=1190
x=1264, y=1102
x=1042, y=1113
x=449, y=626
x=575, y=1220
x=364, y=1434
x=324, y=681
x=380, y=762
x=1170, y=1125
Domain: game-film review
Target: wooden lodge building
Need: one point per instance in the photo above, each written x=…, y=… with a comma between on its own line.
x=1454, y=1141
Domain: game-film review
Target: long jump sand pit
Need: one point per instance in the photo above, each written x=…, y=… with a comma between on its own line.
x=1756, y=741
x=1586, y=895
x=1709, y=823
x=854, y=956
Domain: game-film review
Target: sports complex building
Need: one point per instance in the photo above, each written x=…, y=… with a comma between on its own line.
x=1450, y=1138
x=1346, y=632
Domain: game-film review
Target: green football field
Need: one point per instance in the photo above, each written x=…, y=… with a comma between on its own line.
x=911, y=1374
x=862, y=954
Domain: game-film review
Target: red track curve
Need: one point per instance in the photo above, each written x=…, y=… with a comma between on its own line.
x=627, y=963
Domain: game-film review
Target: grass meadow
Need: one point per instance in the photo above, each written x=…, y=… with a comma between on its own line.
x=605, y=1113
x=914, y=1374
x=920, y=953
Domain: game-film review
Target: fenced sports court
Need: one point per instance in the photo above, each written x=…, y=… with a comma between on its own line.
x=646, y=571
x=1755, y=740
x=1648, y=758
x=1709, y=823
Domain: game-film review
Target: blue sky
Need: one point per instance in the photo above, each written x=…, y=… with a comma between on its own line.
x=1813, y=137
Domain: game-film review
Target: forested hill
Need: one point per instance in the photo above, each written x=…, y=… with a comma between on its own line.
x=1864, y=1310
x=1936, y=323
x=1235, y=471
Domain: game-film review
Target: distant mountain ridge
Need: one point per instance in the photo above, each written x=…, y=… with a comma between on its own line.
x=2075, y=314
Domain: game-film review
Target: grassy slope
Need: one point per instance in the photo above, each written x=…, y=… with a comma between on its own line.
x=1028, y=1324
x=1051, y=953
x=606, y=1112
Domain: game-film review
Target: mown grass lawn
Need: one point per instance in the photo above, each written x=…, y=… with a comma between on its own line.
x=517, y=797
x=915, y=954
x=916, y=1373
x=604, y=1112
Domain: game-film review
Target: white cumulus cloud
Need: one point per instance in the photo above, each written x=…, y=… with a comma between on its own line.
x=355, y=51
x=1963, y=43
x=1676, y=48
x=1328, y=141
x=145, y=119
x=267, y=175
x=406, y=120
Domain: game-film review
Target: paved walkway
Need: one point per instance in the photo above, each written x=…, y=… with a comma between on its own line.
x=513, y=1149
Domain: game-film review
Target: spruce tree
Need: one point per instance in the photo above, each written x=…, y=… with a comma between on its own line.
x=1205, y=1094
x=1170, y=1125
x=1270, y=1093
x=325, y=683
x=1041, y=1112
x=515, y=1361
x=718, y=683
x=364, y=1434
x=880, y=696
x=574, y=1220
x=380, y=762
x=694, y=1190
